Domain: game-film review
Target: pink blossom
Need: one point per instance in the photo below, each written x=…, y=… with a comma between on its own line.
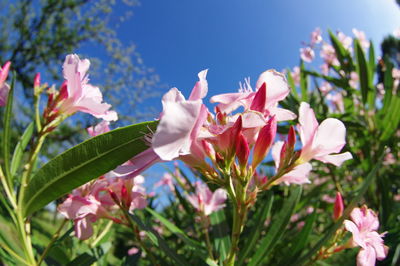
x=324, y=69
x=276, y=89
x=329, y=55
x=396, y=33
x=353, y=82
x=320, y=141
x=336, y=100
x=360, y=35
x=4, y=87
x=100, y=128
x=296, y=75
x=298, y=175
x=316, y=37
x=166, y=180
x=364, y=225
x=82, y=96
x=307, y=54
x=325, y=87
x=346, y=41
x=206, y=201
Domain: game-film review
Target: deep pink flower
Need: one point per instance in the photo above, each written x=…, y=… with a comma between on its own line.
x=206, y=201
x=82, y=96
x=320, y=141
x=307, y=54
x=4, y=87
x=298, y=175
x=364, y=225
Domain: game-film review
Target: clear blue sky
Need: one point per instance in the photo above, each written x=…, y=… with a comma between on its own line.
x=236, y=39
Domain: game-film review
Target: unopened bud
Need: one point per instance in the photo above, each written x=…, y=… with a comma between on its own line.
x=242, y=150
x=264, y=141
x=291, y=138
x=113, y=196
x=338, y=207
x=63, y=92
x=36, y=81
x=4, y=72
x=259, y=100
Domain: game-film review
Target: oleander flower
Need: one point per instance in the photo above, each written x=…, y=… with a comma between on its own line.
x=206, y=201
x=4, y=87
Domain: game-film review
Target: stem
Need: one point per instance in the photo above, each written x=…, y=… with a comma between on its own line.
x=207, y=236
x=7, y=189
x=102, y=234
x=52, y=241
x=24, y=231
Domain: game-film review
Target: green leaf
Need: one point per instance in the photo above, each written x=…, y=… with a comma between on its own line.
x=7, y=130
x=200, y=251
x=158, y=241
x=259, y=220
x=303, y=83
x=331, y=231
x=84, y=162
x=291, y=84
x=392, y=118
x=83, y=260
x=362, y=71
x=19, y=149
x=342, y=53
x=222, y=240
x=183, y=201
x=300, y=241
x=371, y=64
x=277, y=228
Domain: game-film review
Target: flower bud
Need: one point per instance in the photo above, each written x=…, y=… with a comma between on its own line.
x=258, y=103
x=242, y=150
x=4, y=72
x=264, y=141
x=338, y=207
x=113, y=196
x=291, y=138
x=36, y=81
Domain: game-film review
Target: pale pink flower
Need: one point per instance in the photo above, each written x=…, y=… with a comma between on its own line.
x=307, y=54
x=320, y=141
x=325, y=87
x=129, y=192
x=346, y=41
x=364, y=225
x=4, y=87
x=360, y=35
x=276, y=89
x=299, y=174
x=82, y=96
x=353, y=82
x=325, y=69
x=206, y=201
x=328, y=199
x=336, y=100
x=296, y=75
x=329, y=55
x=98, y=129
x=316, y=37
x=166, y=180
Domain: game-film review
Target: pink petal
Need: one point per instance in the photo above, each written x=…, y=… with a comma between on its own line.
x=83, y=228
x=173, y=135
x=335, y=159
x=98, y=129
x=299, y=175
x=217, y=201
x=281, y=114
x=308, y=124
x=276, y=152
x=277, y=87
x=201, y=88
x=357, y=236
x=137, y=164
x=366, y=257
x=330, y=137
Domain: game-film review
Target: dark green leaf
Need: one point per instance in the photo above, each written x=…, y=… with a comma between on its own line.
x=158, y=241
x=277, y=228
x=291, y=84
x=83, y=260
x=259, y=220
x=19, y=149
x=83, y=163
x=222, y=241
x=362, y=71
x=342, y=53
x=303, y=83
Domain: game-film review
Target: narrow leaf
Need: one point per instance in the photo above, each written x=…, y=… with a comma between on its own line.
x=277, y=228
x=84, y=162
x=362, y=71
x=222, y=241
x=19, y=149
x=83, y=260
x=7, y=130
x=158, y=241
x=259, y=220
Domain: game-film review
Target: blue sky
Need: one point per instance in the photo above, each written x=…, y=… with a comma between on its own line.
x=237, y=39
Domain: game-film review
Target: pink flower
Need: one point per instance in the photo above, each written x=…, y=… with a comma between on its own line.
x=324, y=69
x=329, y=55
x=320, y=141
x=4, y=88
x=206, y=201
x=396, y=33
x=336, y=100
x=100, y=128
x=353, y=82
x=360, y=35
x=276, y=89
x=298, y=175
x=166, y=180
x=84, y=211
x=325, y=87
x=346, y=41
x=296, y=75
x=307, y=54
x=316, y=37
x=364, y=225
x=82, y=96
